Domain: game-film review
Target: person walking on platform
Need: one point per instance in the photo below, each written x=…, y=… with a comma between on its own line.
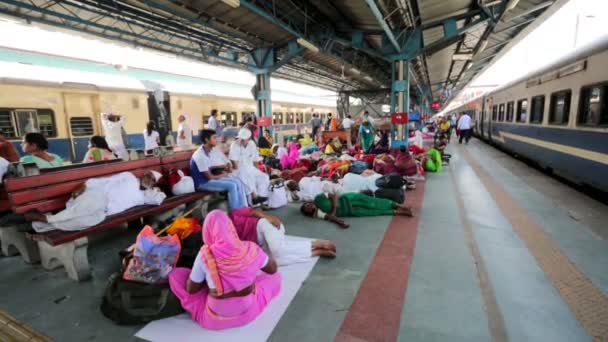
x=151, y=138
x=315, y=123
x=184, y=133
x=214, y=124
x=113, y=126
x=347, y=123
x=464, y=126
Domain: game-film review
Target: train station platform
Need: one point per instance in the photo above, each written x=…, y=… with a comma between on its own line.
x=497, y=252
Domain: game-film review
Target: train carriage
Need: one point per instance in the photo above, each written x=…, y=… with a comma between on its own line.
x=556, y=117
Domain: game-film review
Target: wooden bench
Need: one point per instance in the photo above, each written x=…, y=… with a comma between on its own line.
x=49, y=192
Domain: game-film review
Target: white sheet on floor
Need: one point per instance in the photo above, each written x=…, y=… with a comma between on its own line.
x=181, y=328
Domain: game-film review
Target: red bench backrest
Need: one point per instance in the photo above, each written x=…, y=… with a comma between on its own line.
x=49, y=192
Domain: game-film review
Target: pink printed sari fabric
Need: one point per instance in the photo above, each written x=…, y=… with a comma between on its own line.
x=233, y=265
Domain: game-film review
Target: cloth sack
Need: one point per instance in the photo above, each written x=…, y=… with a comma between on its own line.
x=153, y=258
x=277, y=194
x=390, y=181
x=131, y=303
x=395, y=195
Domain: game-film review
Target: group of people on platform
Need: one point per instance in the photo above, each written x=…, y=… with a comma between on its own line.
x=235, y=275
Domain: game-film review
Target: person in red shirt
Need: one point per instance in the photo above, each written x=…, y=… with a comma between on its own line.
x=7, y=149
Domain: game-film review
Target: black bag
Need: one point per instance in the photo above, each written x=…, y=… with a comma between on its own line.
x=131, y=303
x=395, y=195
x=272, y=162
x=390, y=181
x=190, y=248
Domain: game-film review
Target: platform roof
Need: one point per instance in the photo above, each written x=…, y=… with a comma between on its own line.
x=354, y=38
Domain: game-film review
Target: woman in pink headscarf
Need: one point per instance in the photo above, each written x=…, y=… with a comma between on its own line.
x=291, y=158
x=225, y=287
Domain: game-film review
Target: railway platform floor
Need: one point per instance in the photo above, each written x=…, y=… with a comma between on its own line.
x=497, y=252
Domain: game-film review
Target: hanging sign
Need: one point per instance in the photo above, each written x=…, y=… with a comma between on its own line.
x=399, y=118
x=265, y=121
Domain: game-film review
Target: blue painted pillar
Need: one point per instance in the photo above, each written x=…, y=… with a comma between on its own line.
x=264, y=61
x=400, y=100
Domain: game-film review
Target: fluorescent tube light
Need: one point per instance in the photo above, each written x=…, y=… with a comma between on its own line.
x=232, y=3
x=308, y=45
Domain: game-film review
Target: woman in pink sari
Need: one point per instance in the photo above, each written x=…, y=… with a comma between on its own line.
x=225, y=287
x=291, y=158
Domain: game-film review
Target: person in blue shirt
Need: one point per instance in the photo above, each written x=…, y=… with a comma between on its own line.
x=204, y=180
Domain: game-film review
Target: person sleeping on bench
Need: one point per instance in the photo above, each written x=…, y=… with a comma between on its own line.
x=98, y=198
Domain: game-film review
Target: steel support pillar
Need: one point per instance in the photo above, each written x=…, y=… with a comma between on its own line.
x=262, y=96
x=400, y=101
x=343, y=105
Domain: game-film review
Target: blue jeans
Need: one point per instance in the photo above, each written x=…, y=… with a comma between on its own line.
x=234, y=187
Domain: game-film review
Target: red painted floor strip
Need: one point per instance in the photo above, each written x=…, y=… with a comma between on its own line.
x=375, y=314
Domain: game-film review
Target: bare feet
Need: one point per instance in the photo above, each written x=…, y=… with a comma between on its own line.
x=323, y=253
x=324, y=244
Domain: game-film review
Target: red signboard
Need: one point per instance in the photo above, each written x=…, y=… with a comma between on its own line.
x=435, y=105
x=265, y=121
x=399, y=118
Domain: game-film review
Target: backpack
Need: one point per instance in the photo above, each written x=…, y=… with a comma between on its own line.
x=395, y=195
x=390, y=181
x=272, y=162
x=130, y=303
x=358, y=167
x=277, y=195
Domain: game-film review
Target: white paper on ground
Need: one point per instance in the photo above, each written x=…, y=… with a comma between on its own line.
x=181, y=328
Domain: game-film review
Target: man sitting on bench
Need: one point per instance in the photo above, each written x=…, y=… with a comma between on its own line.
x=205, y=180
x=98, y=198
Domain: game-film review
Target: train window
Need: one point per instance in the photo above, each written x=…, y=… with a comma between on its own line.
x=494, y=112
x=277, y=118
x=81, y=126
x=559, y=111
x=299, y=117
x=26, y=120
x=510, y=106
x=206, y=120
x=538, y=109
x=289, y=118
x=522, y=111
x=501, y=112
x=593, y=109
x=307, y=117
x=228, y=119
x=46, y=122
x=135, y=103
x=6, y=123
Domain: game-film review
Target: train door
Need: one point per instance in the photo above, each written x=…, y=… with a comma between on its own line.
x=80, y=112
x=159, y=111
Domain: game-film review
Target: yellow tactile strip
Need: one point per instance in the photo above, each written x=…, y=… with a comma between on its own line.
x=12, y=330
x=588, y=303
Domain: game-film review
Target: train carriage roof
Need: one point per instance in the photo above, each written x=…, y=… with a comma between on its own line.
x=16, y=65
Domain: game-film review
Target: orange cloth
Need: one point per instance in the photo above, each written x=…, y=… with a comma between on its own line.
x=334, y=124
x=184, y=227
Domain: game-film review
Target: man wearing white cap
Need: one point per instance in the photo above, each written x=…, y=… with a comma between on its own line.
x=243, y=155
x=98, y=198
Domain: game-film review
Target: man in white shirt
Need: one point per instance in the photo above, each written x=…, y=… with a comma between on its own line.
x=112, y=127
x=205, y=180
x=184, y=133
x=464, y=126
x=244, y=155
x=214, y=124
x=347, y=123
x=98, y=198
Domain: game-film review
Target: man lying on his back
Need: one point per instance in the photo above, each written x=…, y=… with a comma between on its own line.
x=98, y=198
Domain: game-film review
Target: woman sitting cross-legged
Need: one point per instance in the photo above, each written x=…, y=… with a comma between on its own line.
x=351, y=204
x=267, y=231
x=225, y=287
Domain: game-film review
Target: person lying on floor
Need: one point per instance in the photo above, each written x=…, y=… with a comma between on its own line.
x=352, y=204
x=269, y=233
x=309, y=187
x=98, y=198
x=225, y=288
